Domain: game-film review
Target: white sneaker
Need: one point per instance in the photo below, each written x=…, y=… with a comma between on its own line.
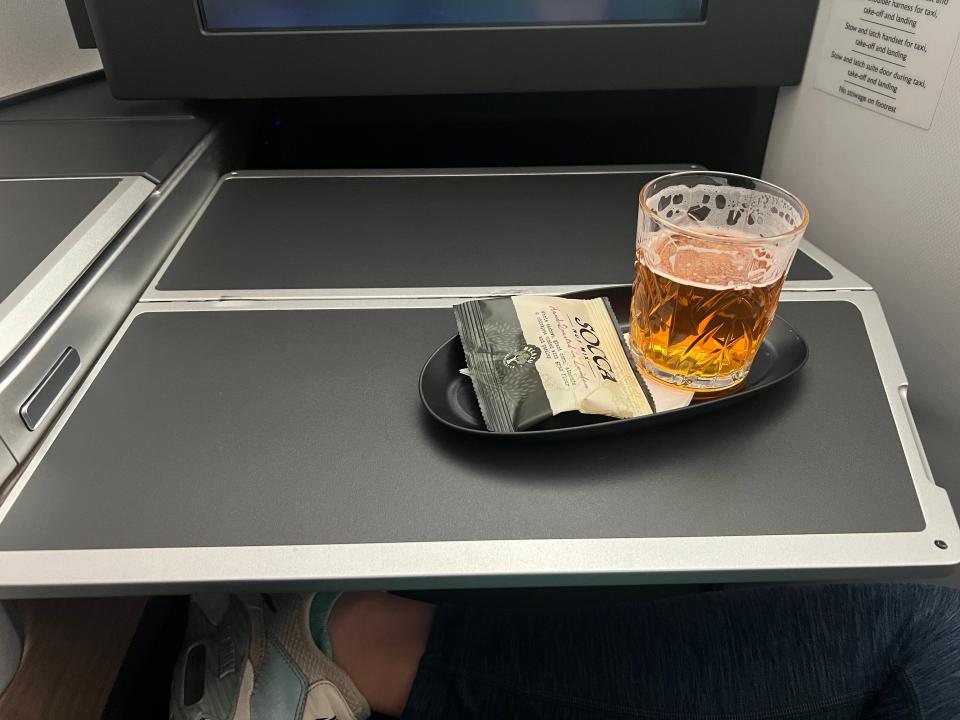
x=255, y=658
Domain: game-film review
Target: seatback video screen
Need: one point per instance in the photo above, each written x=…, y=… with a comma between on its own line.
x=277, y=15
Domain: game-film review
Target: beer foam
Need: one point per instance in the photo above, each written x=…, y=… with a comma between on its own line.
x=725, y=209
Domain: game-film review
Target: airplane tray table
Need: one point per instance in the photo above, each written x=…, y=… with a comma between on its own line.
x=282, y=444
x=476, y=232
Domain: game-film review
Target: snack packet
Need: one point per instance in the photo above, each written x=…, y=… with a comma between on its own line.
x=532, y=357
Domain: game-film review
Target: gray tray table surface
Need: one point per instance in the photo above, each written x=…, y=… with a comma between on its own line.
x=453, y=232
x=74, y=148
x=89, y=100
x=288, y=428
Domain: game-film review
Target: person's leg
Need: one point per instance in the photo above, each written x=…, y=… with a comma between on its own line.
x=378, y=639
x=794, y=652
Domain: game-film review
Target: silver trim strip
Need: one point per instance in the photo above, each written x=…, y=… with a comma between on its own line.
x=44, y=178
x=30, y=302
x=8, y=463
x=514, y=562
x=154, y=296
x=916, y=433
x=468, y=172
x=843, y=279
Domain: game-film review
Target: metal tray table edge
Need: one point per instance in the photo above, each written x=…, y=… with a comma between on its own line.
x=486, y=563
x=28, y=304
x=843, y=279
x=96, y=303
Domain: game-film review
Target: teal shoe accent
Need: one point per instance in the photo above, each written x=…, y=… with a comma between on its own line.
x=320, y=609
x=281, y=690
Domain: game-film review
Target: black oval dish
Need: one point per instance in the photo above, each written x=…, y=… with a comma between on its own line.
x=449, y=396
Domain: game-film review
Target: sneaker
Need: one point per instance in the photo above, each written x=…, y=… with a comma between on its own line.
x=255, y=658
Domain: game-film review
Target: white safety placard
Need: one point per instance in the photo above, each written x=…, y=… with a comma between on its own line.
x=890, y=56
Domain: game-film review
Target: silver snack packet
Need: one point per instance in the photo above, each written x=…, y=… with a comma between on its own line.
x=532, y=357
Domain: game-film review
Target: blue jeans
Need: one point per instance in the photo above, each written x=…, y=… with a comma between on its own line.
x=843, y=651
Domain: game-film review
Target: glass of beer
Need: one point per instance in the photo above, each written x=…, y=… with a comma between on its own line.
x=713, y=250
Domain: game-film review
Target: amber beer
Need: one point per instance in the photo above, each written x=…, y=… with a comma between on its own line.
x=693, y=324
x=713, y=250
